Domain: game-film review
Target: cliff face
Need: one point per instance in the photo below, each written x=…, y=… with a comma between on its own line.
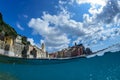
x=7, y=28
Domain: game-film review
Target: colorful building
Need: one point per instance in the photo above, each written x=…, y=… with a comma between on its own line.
x=8, y=40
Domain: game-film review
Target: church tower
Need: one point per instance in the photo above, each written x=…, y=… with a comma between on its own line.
x=43, y=47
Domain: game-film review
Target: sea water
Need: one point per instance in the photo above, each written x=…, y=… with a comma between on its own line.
x=105, y=67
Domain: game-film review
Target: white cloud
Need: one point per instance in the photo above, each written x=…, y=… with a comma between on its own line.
x=105, y=18
x=96, y=2
x=58, y=30
x=94, y=41
x=109, y=12
x=31, y=40
x=78, y=40
x=19, y=26
x=62, y=2
x=25, y=16
x=52, y=36
x=65, y=24
x=116, y=19
x=42, y=41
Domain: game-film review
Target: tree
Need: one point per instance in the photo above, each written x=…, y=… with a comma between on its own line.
x=24, y=40
x=0, y=16
x=1, y=19
x=28, y=43
x=75, y=44
x=88, y=51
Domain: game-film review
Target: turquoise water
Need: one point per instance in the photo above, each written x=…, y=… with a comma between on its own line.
x=106, y=67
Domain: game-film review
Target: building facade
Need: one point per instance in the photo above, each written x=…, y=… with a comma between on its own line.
x=16, y=47
x=40, y=52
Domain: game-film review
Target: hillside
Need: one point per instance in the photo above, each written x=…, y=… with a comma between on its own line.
x=7, y=28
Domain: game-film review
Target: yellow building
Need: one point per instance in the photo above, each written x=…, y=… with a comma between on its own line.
x=8, y=40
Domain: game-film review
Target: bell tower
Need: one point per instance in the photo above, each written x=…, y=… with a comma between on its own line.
x=43, y=47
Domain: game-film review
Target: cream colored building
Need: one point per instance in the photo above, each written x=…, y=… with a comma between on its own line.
x=18, y=39
x=18, y=46
x=40, y=52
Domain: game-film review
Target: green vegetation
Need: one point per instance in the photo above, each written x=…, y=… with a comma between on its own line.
x=24, y=40
x=9, y=31
x=1, y=20
x=7, y=28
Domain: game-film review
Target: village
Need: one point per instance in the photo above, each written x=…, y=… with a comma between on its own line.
x=16, y=45
x=76, y=50
x=13, y=44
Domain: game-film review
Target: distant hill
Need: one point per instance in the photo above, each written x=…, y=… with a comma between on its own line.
x=7, y=28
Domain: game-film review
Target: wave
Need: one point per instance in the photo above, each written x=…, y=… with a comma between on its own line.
x=113, y=48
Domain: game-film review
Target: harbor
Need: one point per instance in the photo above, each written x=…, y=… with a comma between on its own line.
x=17, y=46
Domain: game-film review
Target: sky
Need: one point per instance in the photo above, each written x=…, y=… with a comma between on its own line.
x=62, y=23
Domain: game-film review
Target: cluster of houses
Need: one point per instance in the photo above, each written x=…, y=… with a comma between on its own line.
x=15, y=47
x=76, y=50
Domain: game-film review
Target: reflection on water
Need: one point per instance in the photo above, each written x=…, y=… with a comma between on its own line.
x=7, y=76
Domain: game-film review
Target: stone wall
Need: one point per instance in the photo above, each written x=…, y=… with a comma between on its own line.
x=2, y=45
x=3, y=51
x=40, y=53
x=17, y=49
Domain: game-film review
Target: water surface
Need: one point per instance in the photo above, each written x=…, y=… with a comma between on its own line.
x=106, y=67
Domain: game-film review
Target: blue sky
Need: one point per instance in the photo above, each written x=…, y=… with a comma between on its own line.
x=61, y=23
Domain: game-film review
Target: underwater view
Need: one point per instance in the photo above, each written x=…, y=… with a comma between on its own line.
x=97, y=67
